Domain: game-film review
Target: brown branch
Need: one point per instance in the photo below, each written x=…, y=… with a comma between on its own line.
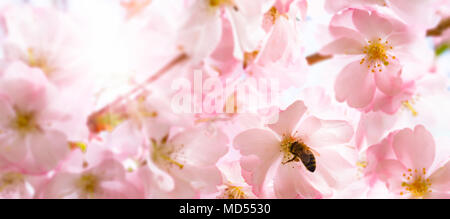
x=440, y=28
x=138, y=89
x=316, y=57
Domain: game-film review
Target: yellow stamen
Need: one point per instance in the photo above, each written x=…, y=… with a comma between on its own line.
x=362, y=164
x=234, y=192
x=376, y=54
x=417, y=185
x=78, y=145
x=159, y=155
x=409, y=106
x=172, y=161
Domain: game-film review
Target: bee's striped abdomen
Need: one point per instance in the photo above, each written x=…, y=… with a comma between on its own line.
x=309, y=161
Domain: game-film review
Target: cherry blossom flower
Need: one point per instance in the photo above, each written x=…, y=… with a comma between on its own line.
x=414, y=106
x=43, y=39
x=184, y=165
x=263, y=150
x=27, y=137
x=107, y=180
x=408, y=171
x=377, y=42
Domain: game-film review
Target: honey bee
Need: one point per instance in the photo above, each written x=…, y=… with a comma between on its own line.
x=303, y=153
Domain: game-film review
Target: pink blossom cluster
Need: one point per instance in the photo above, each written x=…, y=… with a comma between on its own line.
x=142, y=99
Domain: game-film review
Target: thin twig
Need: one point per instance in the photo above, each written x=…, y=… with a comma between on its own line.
x=440, y=28
x=316, y=57
x=119, y=101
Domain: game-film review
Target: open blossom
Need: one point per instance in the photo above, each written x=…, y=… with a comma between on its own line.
x=185, y=164
x=416, y=106
x=378, y=43
x=27, y=138
x=406, y=165
x=43, y=39
x=106, y=180
x=303, y=157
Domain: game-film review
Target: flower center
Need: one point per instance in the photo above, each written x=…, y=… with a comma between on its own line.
x=88, y=183
x=377, y=55
x=416, y=183
x=274, y=14
x=10, y=179
x=163, y=155
x=220, y=3
x=24, y=122
x=234, y=192
x=38, y=62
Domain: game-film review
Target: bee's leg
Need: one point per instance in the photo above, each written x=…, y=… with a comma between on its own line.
x=293, y=159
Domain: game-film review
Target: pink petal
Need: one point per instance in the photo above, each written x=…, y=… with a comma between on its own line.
x=197, y=146
x=389, y=80
x=290, y=183
x=415, y=149
x=333, y=169
x=373, y=26
x=26, y=88
x=125, y=139
x=391, y=172
x=109, y=170
x=341, y=25
x=48, y=149
x=438, y=195
x=182, y=190
x=416, y=12
x=6, y=113
x=344, y=46
x=278, y=43
x=440, y=179
x=355, y=85
x=260, y=149
x=62, y=185
x=202, y=178
x=288, y=119
x=155, y=178
x=379, y=152
x=13, y=147
x=320, y=133
x=246, y=24
x=200, y=32
x=401, y=38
